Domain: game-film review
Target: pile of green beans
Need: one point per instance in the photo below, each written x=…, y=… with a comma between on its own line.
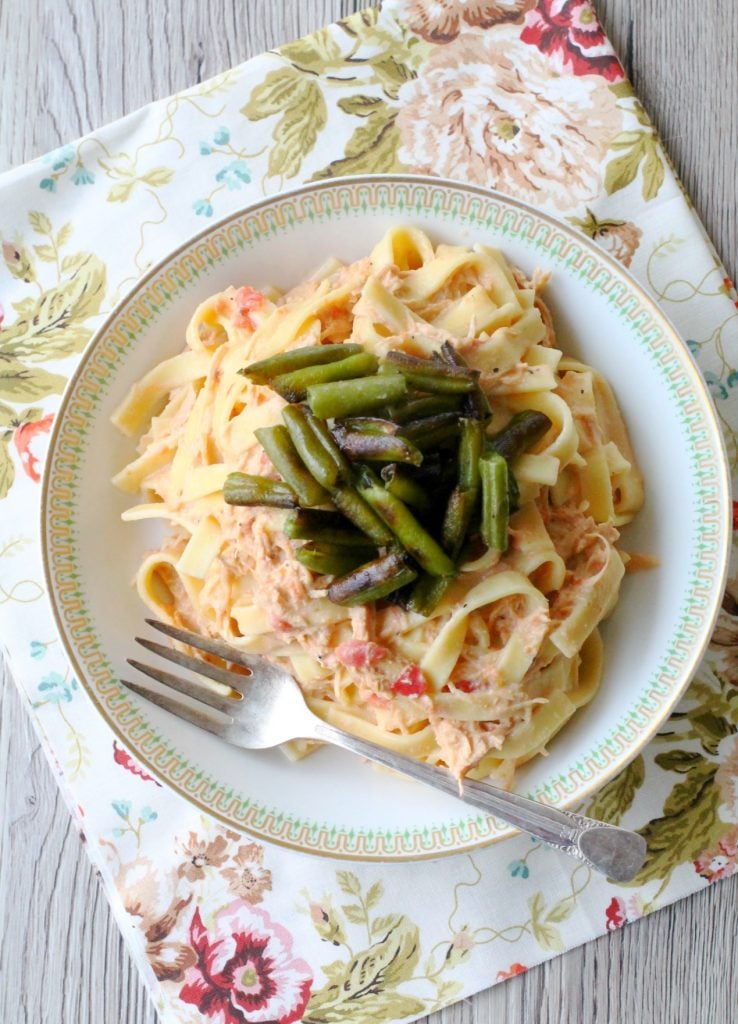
x=386, y=467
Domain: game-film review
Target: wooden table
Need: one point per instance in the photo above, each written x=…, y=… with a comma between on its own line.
x=62, y=960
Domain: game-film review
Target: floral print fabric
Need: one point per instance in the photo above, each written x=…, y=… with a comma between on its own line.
x=521, y=95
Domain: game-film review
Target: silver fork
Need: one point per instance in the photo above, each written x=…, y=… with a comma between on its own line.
x=266, y=708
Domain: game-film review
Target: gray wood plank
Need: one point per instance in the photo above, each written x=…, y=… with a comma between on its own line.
x=94, y=61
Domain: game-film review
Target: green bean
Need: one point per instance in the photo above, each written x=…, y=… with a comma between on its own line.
x=403, y=362
x=297, y=359
x=294, y=386
x=320, y=429
x=278, y=445
x=308, y=446
x=457, y=518
x=325, y=528
x=495, y=501
x=355, y=397
x=356, y=510
x=437, y=384
x=428, y=405
x=471, y=446
x=376, y=447
x=372, y=581
x=432, y=432
x=368, y=425
x=244, y=489
x=329, y=561
x=523, y=430
x=476, y=402
x=427, y=592
x=405, y=487
x=426, y=551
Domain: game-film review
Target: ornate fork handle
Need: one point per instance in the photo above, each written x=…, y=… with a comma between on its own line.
x=613, y=851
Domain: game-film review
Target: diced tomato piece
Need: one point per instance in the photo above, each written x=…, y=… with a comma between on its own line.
x=411, y=682
x=360, y=653
x=465, y=685
x=246, y=300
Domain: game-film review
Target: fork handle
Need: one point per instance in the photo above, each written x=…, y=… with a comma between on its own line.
x=616, y=852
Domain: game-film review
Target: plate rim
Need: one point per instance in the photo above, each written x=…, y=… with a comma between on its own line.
x=722, y=498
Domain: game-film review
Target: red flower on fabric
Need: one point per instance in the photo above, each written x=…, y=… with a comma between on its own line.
x=735, y=515
x=620, y=911
x=245, y=972
x=22, y=439
x=124, y=759
x=570, y=34
x=512, y=970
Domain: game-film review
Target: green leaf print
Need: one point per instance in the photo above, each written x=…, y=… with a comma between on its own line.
x=363, y=991
x=361, y=106
x=711, y=730
x=392, y=74
x=689, y=825
x=300, y=101
x=20, y=383
x=640, y=153
x=616, y=797
x=315, y=52
x=7, y=416
x=547, y=937
x=297, y=130
x=273, y=95
x=371, y=149
x=7, y=469
x=348, y=883
x=53, y=325
x=40, y=222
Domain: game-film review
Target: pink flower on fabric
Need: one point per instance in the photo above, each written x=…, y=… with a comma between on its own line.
x=719, y=861
x=620, y=911
x=245, y=971
x=23, y=437
x=569, y=33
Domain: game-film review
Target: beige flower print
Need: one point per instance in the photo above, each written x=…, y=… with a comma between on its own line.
x=201, y=853
x=247, y=877
x=725, y=635
x=141, y=893
x=489, y=110
x=440, y=21
x=727, y=778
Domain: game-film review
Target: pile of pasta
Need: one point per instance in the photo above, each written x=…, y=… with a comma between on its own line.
x=483, y=682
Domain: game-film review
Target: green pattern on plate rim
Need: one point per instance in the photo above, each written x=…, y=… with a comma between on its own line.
x=419, y=198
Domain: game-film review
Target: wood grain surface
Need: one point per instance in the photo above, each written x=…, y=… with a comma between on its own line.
x=72, y=65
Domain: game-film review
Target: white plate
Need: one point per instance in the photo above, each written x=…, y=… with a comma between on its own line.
x=332, y=803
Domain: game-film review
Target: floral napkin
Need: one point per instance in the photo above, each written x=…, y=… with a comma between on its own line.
x=524, y=96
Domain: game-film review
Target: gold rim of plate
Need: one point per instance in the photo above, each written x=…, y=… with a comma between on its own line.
x=446, y=198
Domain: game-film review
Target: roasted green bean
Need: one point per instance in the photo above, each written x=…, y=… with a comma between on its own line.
x=376, y=447
x=495, y=501
x=278, y=445
x=328, y=560
x=476, y=403
x=416, y=540
x=325, y=528
x=372, y=581
x=309, y=447
x=356, y=510
x=405, y=487
x=294, y=386
x=297, y=359
x=427, y=592
x=320, y=429
x=457, y=519
x=422, y=407
x=244, y=489
x=355, y=397
x=471, y=446
x=523, y=430
x=432, y=431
